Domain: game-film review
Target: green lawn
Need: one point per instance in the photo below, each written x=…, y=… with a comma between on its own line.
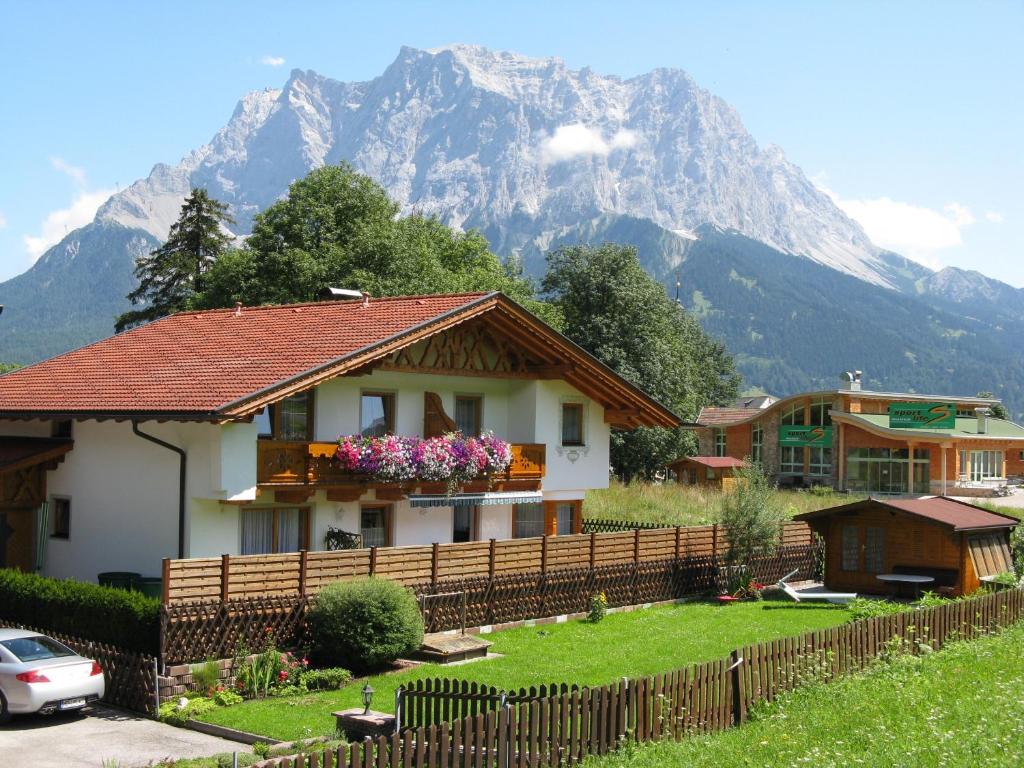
x=674, y=504
x=959, y=707
x=624, y=644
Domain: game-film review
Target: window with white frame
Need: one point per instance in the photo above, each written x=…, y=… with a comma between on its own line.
x=756, y=443
x=572, y=424
x=794, y=415
x=791, y=460
x=820, y=461
x=980, y=466
x=720, y=443
x=272, y=530
x=819, y=413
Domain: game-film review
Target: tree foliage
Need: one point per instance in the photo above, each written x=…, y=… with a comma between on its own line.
x=998, y=410
x=612, y=308
x=339, y=228
x=8, y=367
x=751, y=516
x=170, y=276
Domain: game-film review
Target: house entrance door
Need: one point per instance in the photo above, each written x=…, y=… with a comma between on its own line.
x=16, y=537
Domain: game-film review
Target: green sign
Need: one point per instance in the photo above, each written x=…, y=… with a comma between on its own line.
x=800, y=436
x=922, y=415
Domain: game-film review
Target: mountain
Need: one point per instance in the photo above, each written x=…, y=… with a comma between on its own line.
x=534, y=155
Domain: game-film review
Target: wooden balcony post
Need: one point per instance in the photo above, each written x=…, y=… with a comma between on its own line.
x=302, y=573
x=225, y=576
x=165, y=573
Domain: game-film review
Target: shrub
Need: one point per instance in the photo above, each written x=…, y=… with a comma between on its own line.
x=365, y=623
x=326, y=679
x=598, y=607
x=206, y=676
x=1017, y=547
x=751, y=517
x=129, y=620
x=172, y=712
x=269, y=673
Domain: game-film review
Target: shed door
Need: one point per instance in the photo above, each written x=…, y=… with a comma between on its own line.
x=861, y=556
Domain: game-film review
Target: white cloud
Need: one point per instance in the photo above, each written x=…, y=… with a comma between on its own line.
x=3, y=221
x=73, y=172
x=577, y=140
x=272, y=61
x=58, y=223
x=994, y=216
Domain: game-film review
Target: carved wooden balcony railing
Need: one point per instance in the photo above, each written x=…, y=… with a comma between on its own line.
x=299, y=464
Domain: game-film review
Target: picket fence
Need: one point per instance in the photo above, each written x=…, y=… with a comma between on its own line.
x=450, y=723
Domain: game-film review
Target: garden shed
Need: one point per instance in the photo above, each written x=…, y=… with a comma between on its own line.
x=954, y=543
x=714, y=471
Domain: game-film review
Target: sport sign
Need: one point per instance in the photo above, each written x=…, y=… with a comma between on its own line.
x=800, y=436
x=922, y=415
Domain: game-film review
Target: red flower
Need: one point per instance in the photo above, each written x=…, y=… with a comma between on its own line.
x=282, y=675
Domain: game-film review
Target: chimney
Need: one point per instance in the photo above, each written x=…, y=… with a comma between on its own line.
x=851, y=380
x=238, y=309
x=982, y=413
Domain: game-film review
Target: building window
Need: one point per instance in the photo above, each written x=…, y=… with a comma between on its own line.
x=264, y=421
x=791, y=460
x=375, y=526
x=566, y=514
x=295, y=417
x=756, y=443
x=794, y=415
x=851, y=548
x=820, y=461
x=276, y=530
x=819, y=413
x=874, y=549
x=980, y=466
x=529, y=520
x=572, y=424
x=62, y=429
x=61, y=509
x=377, y=414
x=463, y=524
x=468, y=410
x=720, y=442
x=887, y=470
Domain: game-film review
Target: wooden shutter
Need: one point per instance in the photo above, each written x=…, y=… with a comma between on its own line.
x=435, y=421
x=990, y=553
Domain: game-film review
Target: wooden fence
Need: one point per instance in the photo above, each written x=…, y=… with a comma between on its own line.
x=598, y=525
x=561, y=725
x=130, y=678
x=200, y=630
x=305, y=573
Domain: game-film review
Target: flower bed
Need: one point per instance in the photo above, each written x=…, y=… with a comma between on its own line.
x=452, y=458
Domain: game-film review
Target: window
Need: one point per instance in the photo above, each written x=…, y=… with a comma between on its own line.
x=572, y=424
x=264, y=421
x=377, y=414
x=375, y=526
x=61, y=510
x=851, y=548
x=566, y=513
x=980, y=466
x=468, y=410
x=820, y=461
x=463, y=523
x=874, y=549
x=819, y=413
x=791, y=460
x=720, y=441
x=295, y=417
x=273, y=530
x=756, y=443
x=61, y=428
x=528, y=520
x=887, y=470
x=794, y=415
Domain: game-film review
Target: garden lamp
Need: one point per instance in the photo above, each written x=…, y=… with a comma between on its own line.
x=367, y=698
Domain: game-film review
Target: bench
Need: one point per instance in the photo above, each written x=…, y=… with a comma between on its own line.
x=946, y=579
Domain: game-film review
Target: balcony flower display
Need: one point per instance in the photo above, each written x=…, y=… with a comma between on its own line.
x=452, y=459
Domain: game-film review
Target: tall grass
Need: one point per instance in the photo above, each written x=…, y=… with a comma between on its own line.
x=674, y=504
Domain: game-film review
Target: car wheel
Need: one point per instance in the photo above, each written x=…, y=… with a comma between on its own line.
x=5, y=716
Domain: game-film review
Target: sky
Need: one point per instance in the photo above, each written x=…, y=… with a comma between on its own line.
x=910, y=114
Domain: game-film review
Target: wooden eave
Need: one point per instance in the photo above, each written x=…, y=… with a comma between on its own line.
x=52, y=454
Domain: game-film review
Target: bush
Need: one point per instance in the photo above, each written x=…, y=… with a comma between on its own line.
x=206, y=676
x=129, y=620
x=751, y=518
x=326, y=679
x=172, y=713
x=365, y=623
x=598, y=607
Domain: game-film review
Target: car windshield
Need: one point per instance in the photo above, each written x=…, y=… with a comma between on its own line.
x=36, y=647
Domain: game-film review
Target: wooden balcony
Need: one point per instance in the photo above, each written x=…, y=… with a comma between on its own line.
x=290, y=464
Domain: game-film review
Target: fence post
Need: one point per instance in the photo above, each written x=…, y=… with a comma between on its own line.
x=544, y=554
x=714, y=540
x=636, y=546
x=679, y=543
x=433, y=564
x=302, y=573
x=491, y=564
x=165, y=572
x=593, y=550
x=373, y=561
x=739, y=714
x=225, y=576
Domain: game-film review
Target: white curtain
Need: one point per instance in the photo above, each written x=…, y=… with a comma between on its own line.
x=289, y=530
x=257, y=531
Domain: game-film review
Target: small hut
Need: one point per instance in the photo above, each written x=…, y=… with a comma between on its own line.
x=714, y=471
x=955, y=543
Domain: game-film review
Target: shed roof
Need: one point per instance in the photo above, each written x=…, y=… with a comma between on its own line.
x=958, y=515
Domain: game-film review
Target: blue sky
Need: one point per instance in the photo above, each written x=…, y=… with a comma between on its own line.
x=910, y=114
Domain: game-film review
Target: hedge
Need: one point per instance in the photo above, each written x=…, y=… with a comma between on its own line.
x=129, y=620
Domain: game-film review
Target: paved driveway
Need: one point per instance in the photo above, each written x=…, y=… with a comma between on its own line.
x=103, y=734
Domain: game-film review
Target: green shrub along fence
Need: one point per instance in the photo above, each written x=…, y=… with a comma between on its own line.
x=128, y=620
x=450, y=723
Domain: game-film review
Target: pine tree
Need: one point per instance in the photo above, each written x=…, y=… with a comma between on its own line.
x=172, y=274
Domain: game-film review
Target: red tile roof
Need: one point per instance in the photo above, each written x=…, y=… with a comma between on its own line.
x=199, y=362
x=958, y=515
x=723, y=417
x=715, y=462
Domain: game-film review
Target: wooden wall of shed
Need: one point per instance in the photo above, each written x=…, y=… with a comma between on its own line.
x=908, y=541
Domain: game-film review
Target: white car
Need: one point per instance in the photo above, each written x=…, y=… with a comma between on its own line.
x=39, y=674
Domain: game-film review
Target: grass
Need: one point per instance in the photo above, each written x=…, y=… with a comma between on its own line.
x=959, y=707
x=623, y=644
x=674, y=504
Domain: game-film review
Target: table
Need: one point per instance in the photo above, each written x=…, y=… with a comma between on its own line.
x=906, y=578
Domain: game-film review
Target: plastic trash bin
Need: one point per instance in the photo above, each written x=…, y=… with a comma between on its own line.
x=151, y=586
x=119, y=579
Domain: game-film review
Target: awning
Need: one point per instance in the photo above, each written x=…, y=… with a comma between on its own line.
x=475, y=499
